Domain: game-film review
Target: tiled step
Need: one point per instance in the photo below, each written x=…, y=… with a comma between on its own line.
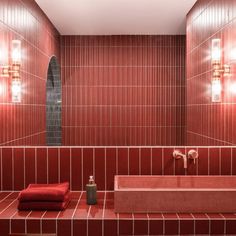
x=100, y=220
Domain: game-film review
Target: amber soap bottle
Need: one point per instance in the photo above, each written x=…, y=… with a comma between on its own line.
x=91, y=191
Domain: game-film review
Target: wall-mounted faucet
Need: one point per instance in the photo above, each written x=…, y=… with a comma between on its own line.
x=178, y=155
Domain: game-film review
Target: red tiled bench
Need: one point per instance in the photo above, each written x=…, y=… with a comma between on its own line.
x=100, y=220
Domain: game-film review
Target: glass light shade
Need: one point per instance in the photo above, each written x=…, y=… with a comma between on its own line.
x=16, y=52
x=216, y=90
x=16, y=90
x=216, y=51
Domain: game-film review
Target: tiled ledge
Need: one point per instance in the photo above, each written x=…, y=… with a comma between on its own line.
x=100, y=220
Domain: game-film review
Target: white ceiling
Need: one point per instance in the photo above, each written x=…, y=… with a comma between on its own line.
x=117, y=17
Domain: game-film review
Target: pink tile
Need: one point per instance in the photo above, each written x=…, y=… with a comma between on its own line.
x=111, y=167
x=157, y=161
x=41, y=165
x=202, y=227
x=126, y=227
x=186, y=227
x=53, y=175
x=76, y=167
x=100, y=168
x=225, y=161
x=110, y=228
x=140, y=227
x=18, y=160
x=80, y=227
x=122, y=161
x=214, y=159
x=217, y=227
x=5, y=226
x=30, y=174
x=171, y=227
x=230, y=227
x=64, y=227
x=18, y=226
x=7, y=171
x=95, y=227
x=203, y=161
x=65, y=165
x=88, y=162
x=168, y=161
x=134, y=161
x=156, y=227
x=145, y=161
x=49, y=226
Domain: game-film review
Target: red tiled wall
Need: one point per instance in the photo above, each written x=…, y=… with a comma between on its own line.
x=24, y=123
x=21, y=166
x=123, y=90
x=210, y=123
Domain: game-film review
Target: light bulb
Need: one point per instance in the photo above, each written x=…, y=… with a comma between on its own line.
x=16, y=90
x=16, y=52
x=216, y=51
x=216, y=90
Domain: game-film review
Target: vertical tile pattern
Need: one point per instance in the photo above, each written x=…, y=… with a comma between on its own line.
x=123, y=90
x=24, y=123
x=21, y=166
x=210, y=123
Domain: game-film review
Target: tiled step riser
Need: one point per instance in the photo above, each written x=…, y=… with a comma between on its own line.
x=122, y=227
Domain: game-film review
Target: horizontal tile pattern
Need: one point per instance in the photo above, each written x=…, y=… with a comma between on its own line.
x=24, y=123
x=210, y=123
x=100, y=220
x=23, y=165
x=123, y=90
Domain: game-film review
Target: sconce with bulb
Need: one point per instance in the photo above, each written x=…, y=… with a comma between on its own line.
x=13, y=70
x=219, y=70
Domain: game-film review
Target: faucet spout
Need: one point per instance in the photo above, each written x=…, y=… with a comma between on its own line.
x=185, y=161
x=177, y=155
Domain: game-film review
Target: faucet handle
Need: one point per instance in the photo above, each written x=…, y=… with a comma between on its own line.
x=193, y=155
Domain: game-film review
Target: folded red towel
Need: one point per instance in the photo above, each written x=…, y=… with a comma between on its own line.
x=44, y=192
x=42, y=206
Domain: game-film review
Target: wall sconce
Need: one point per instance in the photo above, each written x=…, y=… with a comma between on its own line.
x=219, y=70
x=13, y=70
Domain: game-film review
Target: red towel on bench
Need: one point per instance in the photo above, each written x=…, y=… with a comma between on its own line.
x=44, y=192
x=42, y=206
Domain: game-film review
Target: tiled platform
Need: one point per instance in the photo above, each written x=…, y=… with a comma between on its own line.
x=100, y=220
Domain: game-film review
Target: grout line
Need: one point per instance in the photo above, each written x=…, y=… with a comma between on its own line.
x=105, y=169
x=36, y=160
x=47, y=167
x=139, y=161
x=71, y=184
x=151, y=161
x=1, y=170
x=13, y=169
x=59, y=165
x=231, y=161
x=82, y=168
x=117, y=163
x=128, y=159
x=24, y=166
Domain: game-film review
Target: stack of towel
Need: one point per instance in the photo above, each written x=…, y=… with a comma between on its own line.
x=44, y=197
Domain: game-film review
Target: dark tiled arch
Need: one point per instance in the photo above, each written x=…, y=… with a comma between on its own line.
x=53, y=101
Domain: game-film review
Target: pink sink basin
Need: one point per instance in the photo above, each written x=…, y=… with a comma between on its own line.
x=152, y=194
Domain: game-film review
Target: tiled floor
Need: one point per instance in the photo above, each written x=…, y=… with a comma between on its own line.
x=100, y=220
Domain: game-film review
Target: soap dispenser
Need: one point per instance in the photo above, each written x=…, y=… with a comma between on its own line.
x=91, y=191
